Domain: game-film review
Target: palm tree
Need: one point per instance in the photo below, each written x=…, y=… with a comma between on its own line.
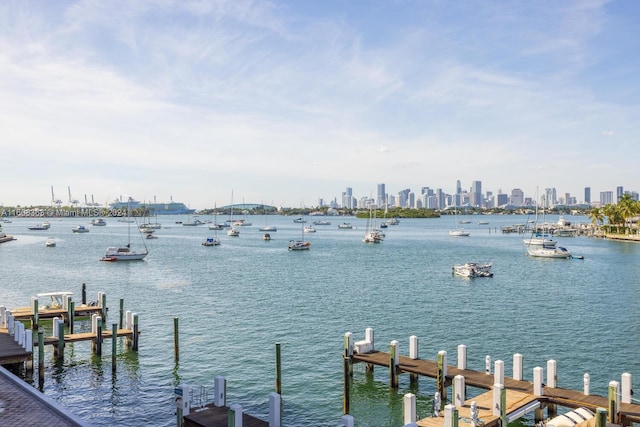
x=596, y=215
x=627, y=207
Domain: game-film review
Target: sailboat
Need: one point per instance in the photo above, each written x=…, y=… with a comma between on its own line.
x=267, y=227
x=543, y=246
x=540, y=238
x=232, y=231
x=299, y=245
x=125, y=253
x=458, y=232
x=213, y=241
x=372, y=235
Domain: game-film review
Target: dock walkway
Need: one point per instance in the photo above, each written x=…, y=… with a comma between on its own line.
x=23, y=405
x=519, y=393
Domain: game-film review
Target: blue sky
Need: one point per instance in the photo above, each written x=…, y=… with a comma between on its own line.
x=286, y=102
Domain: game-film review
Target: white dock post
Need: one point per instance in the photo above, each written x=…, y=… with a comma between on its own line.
x=11, y=324
x=517, y=367
x=587, y=381
x=394, y=356
x=413, y=347
x=368, y=336
x=498, y=374
x=441, y=377
x=235, y=415
x=20, y=333
x=28, y=340
x=220, y=390
x=409, y=408
x=437, y=402
x=627, y=389
x=450, y=416
x=127, y=319
x=487, y=362
x=552, y=373
x=537, y=381
x=498, y=399
x=348, y=344
x=462, y=356
x=275, y=418
x=347, y=421
x=614, y=402
x=54, y=326
x=459, y=391
x=3, y=316
x=413, y=354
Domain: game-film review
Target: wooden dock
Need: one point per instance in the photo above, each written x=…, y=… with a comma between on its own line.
x=519, y=393
x=213, y=416
x=10, y=351
x=26, y=313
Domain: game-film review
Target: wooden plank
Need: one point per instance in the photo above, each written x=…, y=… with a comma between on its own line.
x=484, y=402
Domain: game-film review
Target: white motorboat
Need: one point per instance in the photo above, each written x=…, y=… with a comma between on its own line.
x=269, y=228
x=321, y=222
x=345, y=226
x=472, y=269
x=233, y=232
x=266, y=236
x=98, y=222
x=309, y=229
x=44, y=226
x=299, y=245
x=459, y=233
x=50, y=242
x=211, y=241
x=372, y=236
x=543, y=251
x=80, y=229
x=299, y=220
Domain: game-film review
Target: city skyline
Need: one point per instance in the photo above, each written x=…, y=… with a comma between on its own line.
x=351, y=199
x=286, y=102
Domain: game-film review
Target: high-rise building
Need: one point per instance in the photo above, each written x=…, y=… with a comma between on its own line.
x=476, y=194
x=550, y=198
x=587, y=195
x=382, y=195
x=517, y=197
x=619, y=193
x=347, y=199
x=606, y=198
x=502, y=199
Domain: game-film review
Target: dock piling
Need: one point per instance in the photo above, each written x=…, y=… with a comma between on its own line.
x=441, y=378
x=487, y=363
x=462, y=356
x=537, y=381
x=601, y=417
x=34, y=305
x=176, y=344
x=394, y=358
x=121, y=312
x=459, y=391
x=409, y=408
x=235, y=415
x=348, y=350
x=346, y=364
x=220, y=390
x=369, y=337
x=498, y=374
x=614, y=402
x=413, y=354
x=275, y=403
x=517, y=366
x=134, y=346
x=450, y=416
x=587, y=381
x=72, y=316
x=552, y=373
x=84, y=294
x=114, y=345
x=627, y=390
x=41, y=359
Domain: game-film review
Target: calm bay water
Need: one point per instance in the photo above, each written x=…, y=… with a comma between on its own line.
x=237, y=300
